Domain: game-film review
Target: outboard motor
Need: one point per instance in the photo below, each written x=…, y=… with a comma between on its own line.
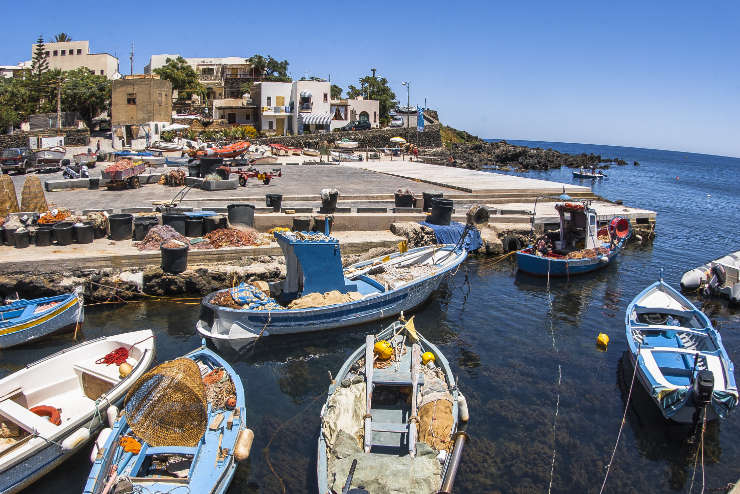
x=703, y=387
x=717, y=278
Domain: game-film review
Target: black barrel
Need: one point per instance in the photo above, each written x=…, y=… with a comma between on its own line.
x=193, y=170
x=121, y=226
x=241, y=214
x=84, y=233
x=194, y=227
x=175, y=220
x=319, y=223
x=93, y=183
x=403, y=200
x=9, y=235
x=22, y=238
x=428, y=196
x=301, y=224
x=274, y=201
x=43, y=236
x=174, y=260
x=329, y=204
x=441, y=211
x=215, y=222
x=209, y=165
x=142, y=225
x=64, y=232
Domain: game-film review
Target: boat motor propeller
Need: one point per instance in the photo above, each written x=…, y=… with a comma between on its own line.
x=703, y=387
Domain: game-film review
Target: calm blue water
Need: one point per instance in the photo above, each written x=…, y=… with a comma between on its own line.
x=508, y=351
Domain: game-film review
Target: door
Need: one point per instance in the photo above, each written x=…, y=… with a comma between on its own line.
x=231, y=118
x=280, y=126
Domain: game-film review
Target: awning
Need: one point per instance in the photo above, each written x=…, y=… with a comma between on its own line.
x=305, y=94
x=315, y=118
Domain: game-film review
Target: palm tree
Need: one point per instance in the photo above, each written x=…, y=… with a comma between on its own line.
x=62, y=37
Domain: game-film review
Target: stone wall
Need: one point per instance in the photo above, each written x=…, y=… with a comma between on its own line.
x=72, y=137
x=374, y=138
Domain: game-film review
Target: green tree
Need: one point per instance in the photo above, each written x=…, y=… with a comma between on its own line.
x=182, y=76
x=259, y=65
x=15, y=101
x=372, y=87
x=336, y=92
x=39, y=65
x=269, y=69
x=61, y=37
x=86, y=93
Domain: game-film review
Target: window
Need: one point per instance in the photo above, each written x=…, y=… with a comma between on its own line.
x=156, y=128
x=79, y=51
x=131, y=99
x=269, y=102
x=326, y=97
x=231, y=118
x=102, y=72
x=46, y=53
x=64, y=52
x=270, y=125
x=279, y=100
x=206, y=71
x=375, y=117
x=55, y=53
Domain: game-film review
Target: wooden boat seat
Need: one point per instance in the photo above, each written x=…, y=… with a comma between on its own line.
x=639, y=309
x=394, y=378
x=26, y=418
x=389, y=427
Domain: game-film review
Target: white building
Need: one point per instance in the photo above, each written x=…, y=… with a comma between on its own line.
x=273, y=100
x=8, y=71
x=344, y=111
x=71, y=55
x=236, y=111
x=313, y=106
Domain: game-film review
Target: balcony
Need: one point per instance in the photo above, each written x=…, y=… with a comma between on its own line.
x=276, y=110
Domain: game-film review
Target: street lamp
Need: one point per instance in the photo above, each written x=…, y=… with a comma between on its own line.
x=408, y=100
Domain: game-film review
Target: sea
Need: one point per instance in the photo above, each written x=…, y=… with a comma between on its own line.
x=545, y=403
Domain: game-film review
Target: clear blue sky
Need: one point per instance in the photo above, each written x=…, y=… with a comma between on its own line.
x=648, y=74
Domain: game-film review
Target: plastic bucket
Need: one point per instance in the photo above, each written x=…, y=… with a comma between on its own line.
x=84, y=233
x=175, y=220
x=43, y=236
x=194, y=227
x=93, y=183
x=211, y=223
x=403, y=200
x=174, y=260
x=121, y=226
x=64, y=232
x=22, y=239
x=274, y=201
x=428, y=196
x=242, y=214
x=301, y=224
x=441, y=211
x=142, y=225
x=9, y=236
x=329, y=204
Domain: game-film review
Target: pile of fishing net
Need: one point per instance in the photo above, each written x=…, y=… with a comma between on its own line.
x=167, y=406
x=323, y=299
x=173, y=178
x=158, y=235
x=586, y=253
x=54, y=216
x=245, y=296
x=393, y=276
x=219, y=388
x=231, y=237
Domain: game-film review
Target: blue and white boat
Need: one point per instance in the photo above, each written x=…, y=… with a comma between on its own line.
x=679, y=356
x=26, y=320
x=580, y=247
x=49, y=409
x=368, y=291
x=183, y=429
x=391, y=419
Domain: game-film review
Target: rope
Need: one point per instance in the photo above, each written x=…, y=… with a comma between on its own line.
x=119, y=355
x=560, y=380
x=621, y=426
x=696, y=457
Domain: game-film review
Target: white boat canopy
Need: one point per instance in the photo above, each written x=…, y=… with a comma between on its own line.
x=175, y=126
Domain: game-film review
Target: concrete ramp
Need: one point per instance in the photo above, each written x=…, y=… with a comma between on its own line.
x=472, y=181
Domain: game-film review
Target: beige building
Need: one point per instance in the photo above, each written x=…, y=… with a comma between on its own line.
x=141, y=106
x=71, y=55
x=344, y=111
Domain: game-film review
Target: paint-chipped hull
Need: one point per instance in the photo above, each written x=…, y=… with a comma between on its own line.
x=65, y=315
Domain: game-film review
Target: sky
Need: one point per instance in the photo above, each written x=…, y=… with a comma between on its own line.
x=660, y=74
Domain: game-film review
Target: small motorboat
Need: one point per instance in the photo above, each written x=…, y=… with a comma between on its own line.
x=319, y=294
x=27, y=320
x=584, y=173
x=49, y=409
x=679, y=356
x=163, y=146
x=183, y=428
x=346, y=144
x=228, y=151
x=88, y=159
x=263, y=160
x=53, y=155
x=393, y=408
x=177, y=161
x=579, y=246
x=311, y=152
x=719, y=277
x=344, y=156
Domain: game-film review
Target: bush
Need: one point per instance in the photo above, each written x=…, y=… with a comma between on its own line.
x=167, y=136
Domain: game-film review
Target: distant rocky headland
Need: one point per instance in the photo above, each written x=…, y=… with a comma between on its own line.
x=464, y=150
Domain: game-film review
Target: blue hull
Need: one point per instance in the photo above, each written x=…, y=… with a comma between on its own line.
x=541, y=266
x=26, y=324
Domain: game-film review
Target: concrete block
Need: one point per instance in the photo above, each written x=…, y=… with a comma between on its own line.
x=52, y=185
x=136, y=210
x=150, y=178
x=79, y=183
x=372, y=210
x=263, y=210
x=219, y=184
x=407, y=210
x=343, y=210
x=302, y=210
x=193, y=181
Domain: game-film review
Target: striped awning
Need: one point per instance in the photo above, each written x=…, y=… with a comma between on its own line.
x=315, y=118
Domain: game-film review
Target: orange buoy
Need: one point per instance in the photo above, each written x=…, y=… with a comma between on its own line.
x=231, y=402
x=47, y=411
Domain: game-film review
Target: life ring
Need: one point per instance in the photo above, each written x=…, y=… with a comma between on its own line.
x=48, y=411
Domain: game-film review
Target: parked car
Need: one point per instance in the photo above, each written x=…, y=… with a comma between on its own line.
x=362, y=125
x=396, y=122
x=17, y=159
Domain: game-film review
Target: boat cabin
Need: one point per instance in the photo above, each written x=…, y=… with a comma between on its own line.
x=578, y=227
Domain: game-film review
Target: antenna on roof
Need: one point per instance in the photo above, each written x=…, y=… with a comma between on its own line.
x=131, y=58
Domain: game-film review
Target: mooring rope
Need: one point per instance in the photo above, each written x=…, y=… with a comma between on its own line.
x=624, y=419
x=560, y=380
x=696, y=456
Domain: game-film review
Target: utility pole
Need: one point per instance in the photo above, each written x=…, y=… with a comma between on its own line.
x=408, y=101
x=131, y=58
x=59, y=103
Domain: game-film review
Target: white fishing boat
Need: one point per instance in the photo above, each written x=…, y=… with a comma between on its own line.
x=51, y=156
x=344, y=156
x=346, y=144
x=719, y=277
x=390, y=423
x=164, y=146
x=49, y=409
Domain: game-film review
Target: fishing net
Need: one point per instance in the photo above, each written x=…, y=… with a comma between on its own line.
x=32, y=196
x=167, y=405
x=8, y=199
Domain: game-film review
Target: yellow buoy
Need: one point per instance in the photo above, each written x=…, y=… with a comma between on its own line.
x=427, y=357
x=602, y=341
x=124, y=369
x=383, y=350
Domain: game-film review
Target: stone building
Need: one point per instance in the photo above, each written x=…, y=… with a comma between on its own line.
x=71, y=55
x=141, y=105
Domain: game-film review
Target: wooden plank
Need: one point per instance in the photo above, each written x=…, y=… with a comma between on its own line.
x=369, y=361
x=390, y=427
x=216, y=423
x=415, y=359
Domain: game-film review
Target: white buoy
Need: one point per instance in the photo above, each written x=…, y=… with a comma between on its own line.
x=75, y=439
x=243, y=444
x=462, y=408
x=442, y=456
x=112, y=414
x=99, y=443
